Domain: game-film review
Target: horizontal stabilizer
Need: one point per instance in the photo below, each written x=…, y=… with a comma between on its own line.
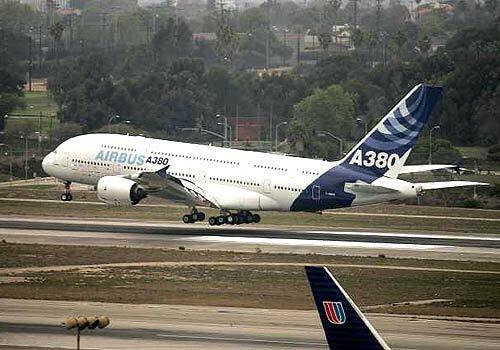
x=409, y=169
x=447, y=184
x=368, y=188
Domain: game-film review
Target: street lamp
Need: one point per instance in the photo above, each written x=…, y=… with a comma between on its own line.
x=327, y=133
x=362, y=121
x=218, y=115
x=230, y=132
x=25, y=137
x=8, y=153
x=435, y=127
x=110, y=120
x=276, y=135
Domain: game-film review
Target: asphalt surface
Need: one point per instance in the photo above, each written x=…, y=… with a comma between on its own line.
x=35, y=324
x=302, y=240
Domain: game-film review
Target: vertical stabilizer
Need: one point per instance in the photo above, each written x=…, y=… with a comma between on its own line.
x=346, y=328
x=384, y=150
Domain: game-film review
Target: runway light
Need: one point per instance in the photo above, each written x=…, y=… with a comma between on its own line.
x=82, y=322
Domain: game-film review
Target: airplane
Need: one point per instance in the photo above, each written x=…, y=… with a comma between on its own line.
x=126, y=169
x=345, y=326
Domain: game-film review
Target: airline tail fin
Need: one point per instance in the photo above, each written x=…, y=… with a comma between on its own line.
x=384, y=150
x=346, y=328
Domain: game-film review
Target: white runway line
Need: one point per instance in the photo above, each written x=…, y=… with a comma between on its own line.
x=406, y=235
x=314, y=243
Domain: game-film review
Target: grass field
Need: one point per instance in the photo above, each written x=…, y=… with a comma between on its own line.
x=38, y=103
x=242, y=284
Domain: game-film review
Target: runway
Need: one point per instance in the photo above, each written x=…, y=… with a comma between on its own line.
x=35, y=324
x=281, y=239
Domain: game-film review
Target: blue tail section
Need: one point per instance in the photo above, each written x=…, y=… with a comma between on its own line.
x=382, y=152
x=345, y=326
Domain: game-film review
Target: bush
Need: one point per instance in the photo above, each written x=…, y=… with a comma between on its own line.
x=470, y=203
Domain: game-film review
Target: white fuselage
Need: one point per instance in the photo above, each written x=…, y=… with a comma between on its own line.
x=236, y=179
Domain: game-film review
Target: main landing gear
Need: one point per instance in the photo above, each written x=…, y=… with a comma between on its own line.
x=242, y=217
x=193, y=217
x=67, y=196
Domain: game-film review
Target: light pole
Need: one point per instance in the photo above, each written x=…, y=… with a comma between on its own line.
x=327, y=133
x=230, y=132
x=205, y=131
x=218, y=115
x=25, y=137
x=110, y=120
x=362, y=121
x=435, y=127
x=8, y=154
x=276, y=135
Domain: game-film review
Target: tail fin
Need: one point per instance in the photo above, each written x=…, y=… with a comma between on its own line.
x=345, y=326
x=384, y=150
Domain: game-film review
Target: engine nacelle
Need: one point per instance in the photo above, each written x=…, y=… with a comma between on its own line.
x=117, y=190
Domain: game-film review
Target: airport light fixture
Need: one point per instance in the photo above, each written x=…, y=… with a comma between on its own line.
x=276, y=135
x=327, y=133
x=110, y=120
x=365, y=124
x=81, y=322
x=435, y=127
x=218, y=115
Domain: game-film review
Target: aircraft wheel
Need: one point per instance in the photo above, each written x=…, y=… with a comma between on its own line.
x=220, y=220
x=200, y=216
x=69, y=197
x=212, y=221
x=188, y=219
x=256, y=218
x=248, y=218
x=230, y=219
x=64, y=197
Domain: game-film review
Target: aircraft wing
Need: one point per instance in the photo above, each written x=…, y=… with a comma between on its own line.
x=161, y=184
x=447, y=184
x=409, y=169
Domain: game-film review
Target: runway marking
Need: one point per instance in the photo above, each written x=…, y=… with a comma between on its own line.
x=17, y=270
x=248, y=340
x=404, y=235
x=314, y=242
x=408, y=216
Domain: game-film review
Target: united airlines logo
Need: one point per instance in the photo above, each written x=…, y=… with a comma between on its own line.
x=334, y=312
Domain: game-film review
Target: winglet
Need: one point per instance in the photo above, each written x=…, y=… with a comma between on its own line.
x=346, y=328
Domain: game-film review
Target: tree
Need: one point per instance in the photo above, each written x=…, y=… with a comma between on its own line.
x=11, y=87
x=330, y=109
x=172, y=41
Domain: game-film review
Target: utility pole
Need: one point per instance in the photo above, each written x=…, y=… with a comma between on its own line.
x=39, y=47
x=378, y=24
x=298, y=47
x=30, y=61
x=355, y=21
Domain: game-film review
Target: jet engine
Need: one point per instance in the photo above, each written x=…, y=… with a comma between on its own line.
x=119, y=191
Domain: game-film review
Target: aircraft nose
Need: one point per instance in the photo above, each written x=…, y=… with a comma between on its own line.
x=47, y=162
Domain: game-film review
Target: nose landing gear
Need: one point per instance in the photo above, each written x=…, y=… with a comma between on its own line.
x=66, y=196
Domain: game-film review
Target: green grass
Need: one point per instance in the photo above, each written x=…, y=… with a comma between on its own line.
x=36, y=102
x=473, y=152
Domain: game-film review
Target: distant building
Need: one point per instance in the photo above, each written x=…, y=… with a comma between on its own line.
x=247, y=128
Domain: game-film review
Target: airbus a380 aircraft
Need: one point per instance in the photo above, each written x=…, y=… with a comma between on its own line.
x=126, y=169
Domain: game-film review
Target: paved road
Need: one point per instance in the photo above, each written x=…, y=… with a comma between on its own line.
x=34, y=324
x=249, y=238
